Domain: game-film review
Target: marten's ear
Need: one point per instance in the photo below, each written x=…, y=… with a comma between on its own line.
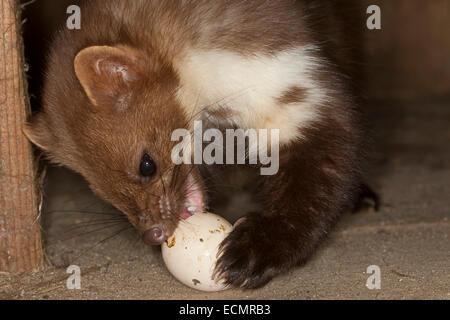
x=108, y=74
x=37, y=131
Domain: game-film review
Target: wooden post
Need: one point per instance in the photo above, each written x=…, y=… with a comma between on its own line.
x=20, y=239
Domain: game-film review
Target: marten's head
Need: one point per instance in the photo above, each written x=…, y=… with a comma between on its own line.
x=109, y=113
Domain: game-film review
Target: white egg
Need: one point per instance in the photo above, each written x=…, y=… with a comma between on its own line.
x=190, y=254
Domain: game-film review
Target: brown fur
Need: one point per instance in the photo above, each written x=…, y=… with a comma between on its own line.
x=99, y=123
x=293, y=95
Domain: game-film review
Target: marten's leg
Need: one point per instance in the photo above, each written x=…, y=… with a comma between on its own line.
x=318, y=179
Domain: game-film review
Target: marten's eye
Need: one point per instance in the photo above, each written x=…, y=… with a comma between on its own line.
x=147, y=168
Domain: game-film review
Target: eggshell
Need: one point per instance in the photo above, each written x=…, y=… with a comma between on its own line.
x=190, y=254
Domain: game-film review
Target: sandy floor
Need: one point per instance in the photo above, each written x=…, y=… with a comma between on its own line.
x=408, y=239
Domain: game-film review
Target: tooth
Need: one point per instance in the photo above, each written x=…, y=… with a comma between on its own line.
x=191, y=208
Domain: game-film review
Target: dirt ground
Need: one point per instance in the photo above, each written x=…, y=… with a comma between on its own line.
x=408, y=238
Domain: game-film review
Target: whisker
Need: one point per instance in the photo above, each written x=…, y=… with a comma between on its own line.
x=94, y=223
x=85, y=212
x=101, y=241
x=91, y=231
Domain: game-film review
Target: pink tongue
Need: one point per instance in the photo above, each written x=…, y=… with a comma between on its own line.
x=185, y=214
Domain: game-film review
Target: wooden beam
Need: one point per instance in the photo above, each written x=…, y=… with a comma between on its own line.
x=20, y=238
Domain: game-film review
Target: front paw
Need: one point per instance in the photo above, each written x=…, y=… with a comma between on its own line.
x=249, y=257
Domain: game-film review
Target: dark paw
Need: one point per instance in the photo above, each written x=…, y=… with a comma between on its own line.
x=367, y=201
x=248, y=257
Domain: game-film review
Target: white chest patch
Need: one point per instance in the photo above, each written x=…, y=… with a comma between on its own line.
x=251, y=87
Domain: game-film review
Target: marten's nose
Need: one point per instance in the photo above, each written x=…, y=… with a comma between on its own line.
x=154, y=236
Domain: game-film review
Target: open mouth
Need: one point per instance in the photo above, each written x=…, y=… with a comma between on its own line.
x=194, y=198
